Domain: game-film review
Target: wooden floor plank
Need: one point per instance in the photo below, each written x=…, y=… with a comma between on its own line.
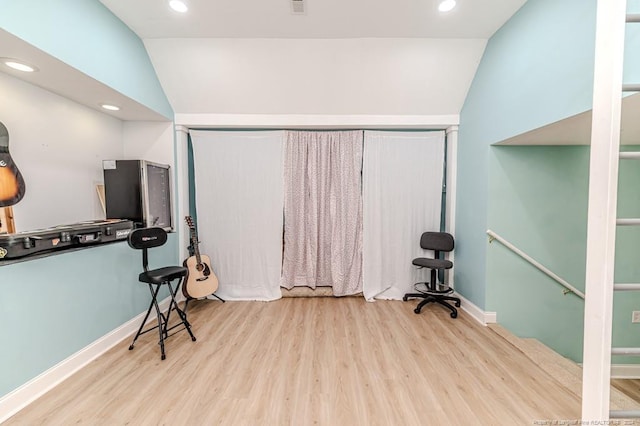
x=299, y=361
x=631, y=388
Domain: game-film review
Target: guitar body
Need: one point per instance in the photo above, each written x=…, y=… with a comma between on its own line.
x=200, y=281
x=12, y=185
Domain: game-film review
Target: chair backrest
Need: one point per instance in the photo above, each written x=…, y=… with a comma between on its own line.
x=146, y=238
x=143, y=238
x=437, y=241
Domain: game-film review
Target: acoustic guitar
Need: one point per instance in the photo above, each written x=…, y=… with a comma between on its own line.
x=200, y=281
x=12, y=185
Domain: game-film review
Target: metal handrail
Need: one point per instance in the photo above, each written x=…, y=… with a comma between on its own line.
x=507, y=244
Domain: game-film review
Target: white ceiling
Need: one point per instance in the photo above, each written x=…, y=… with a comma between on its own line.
x=394, y=57
x=322, y=18
x=390, y=57
x=58, y=77
x=316, y=76
x=576, y=130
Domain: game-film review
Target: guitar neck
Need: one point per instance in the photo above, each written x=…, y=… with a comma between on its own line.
x=194, y=245
x=4, y=139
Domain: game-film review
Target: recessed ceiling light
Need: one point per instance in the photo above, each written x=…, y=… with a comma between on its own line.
x=446, y=5
x=110, y=107
x=19, y=65
x=178, y=6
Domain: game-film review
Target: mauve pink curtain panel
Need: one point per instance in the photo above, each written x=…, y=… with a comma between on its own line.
x=323, y=210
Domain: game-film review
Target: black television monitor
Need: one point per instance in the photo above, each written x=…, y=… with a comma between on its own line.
x=139, y=191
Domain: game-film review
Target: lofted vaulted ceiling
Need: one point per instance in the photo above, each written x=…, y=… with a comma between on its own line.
x=338, y=57
x=321, y=18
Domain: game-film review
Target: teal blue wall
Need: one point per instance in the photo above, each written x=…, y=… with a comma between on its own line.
x=539, y=203
x=52, y=307
x=87, y=36
x=537, y=69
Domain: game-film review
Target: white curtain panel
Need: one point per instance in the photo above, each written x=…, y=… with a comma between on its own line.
x=239, y=201
x=402, y=180
x=323, y=211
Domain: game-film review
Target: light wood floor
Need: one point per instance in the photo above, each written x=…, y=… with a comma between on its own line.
x=630, y=387
x=312, y=361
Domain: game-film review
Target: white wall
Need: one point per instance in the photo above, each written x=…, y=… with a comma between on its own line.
x=149, y=140
x=58, y=146
x=154, y=141
x=316, y=76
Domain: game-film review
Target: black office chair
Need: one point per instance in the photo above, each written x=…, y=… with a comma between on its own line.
x=144, y=239
x=432, y=291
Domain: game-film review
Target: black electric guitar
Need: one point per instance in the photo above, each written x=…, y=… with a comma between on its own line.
x=12, y=185
x=200, y=281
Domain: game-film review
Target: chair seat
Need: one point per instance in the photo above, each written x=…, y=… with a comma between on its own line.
x=162, y=275
x=432, y=263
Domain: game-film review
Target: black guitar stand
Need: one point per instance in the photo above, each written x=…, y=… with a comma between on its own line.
x=186, y=302
x=218, y=297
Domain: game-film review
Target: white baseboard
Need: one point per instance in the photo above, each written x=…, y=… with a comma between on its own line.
x=478, y=314
x=19, y=398
x=625, y=371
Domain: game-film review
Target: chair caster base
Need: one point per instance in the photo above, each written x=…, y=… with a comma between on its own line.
x=193, y=339
x=454, y=314
x=131, y=347
x=417, y=310
x=405, y=298
x=163, y=357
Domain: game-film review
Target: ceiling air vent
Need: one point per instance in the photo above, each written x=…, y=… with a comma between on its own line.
x=297, y=7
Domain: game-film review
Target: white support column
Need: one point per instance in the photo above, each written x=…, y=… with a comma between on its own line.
x=601, y=224
x=182, y=186
x=452, y=170
x=450, y=201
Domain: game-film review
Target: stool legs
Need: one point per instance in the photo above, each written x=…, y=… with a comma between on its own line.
x=163, y=320
x=144, y=321
x=182, y=314
x=162, y=325
x=441, y=299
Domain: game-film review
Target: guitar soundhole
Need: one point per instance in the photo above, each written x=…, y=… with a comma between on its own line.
x=204, y=268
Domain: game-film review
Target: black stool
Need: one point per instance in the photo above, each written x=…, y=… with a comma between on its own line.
x=144, y=239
